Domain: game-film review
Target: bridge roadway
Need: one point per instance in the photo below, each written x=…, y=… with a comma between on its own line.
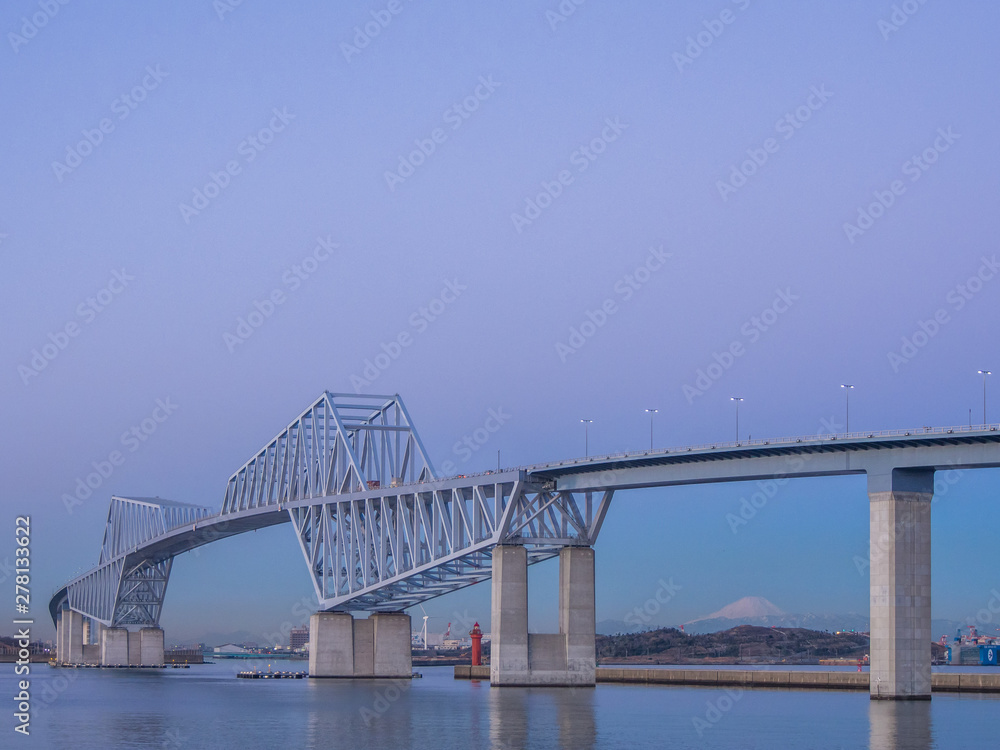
x=380, y=532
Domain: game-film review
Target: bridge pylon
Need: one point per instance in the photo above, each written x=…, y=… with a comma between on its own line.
x=900, y=579
x=566, y=658
x=343, y=646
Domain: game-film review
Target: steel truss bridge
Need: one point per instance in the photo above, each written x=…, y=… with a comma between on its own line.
x=381, y=531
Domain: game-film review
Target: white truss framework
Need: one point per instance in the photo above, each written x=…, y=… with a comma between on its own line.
x=392, y=549
x=378, y=531
x=133, y=521
x=342, y=443
x=127, y=588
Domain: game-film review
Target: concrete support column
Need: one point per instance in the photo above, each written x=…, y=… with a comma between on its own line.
x=393, y=648
x=509, y=621
x=364, y=648
x=61, y=638
x=73, y=622
x=331, y=645
x=577, y=613
x=151, y=647
x=114, y=647
x=900, y=507
x=92, y=633
x=134, y=649
x=91, y=653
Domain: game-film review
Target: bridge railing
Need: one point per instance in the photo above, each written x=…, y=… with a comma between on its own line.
x=761, y=442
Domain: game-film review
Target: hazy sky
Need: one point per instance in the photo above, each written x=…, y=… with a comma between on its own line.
x=211, y=212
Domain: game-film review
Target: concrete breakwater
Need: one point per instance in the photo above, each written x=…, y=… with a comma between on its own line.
x=748, y=678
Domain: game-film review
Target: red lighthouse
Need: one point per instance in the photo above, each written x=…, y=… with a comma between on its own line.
x=477, y=645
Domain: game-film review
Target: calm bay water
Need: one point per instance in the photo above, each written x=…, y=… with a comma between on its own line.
x=207, y=707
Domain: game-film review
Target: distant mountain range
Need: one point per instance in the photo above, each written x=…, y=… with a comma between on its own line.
x=756, y=610
x=747, y=607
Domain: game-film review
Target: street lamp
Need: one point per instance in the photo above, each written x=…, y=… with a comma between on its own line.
x=847, y=392
x=586, y=436
x=737, y=399
x=651, y=412
x=984, y=373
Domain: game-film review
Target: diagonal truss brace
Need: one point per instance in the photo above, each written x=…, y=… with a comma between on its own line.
x=388, y=549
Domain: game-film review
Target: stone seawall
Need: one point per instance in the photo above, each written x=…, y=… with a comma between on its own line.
x=748, y=678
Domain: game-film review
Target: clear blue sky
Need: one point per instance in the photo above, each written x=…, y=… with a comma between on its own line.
x=177, y=168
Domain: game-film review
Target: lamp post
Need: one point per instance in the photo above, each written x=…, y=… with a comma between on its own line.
x=984, y=373
x=651, y=412
x=847, y=393
x=586, y=437
x=737, y=399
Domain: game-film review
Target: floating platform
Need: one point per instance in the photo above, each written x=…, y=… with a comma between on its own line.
x=254, y=674
x=945, y=682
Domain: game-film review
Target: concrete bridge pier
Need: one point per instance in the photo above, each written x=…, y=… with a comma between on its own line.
x=900, y=572
x=69, y=638
x=117, y=646
x=566, y=658
x=151, y=647
x=341, y=646
x=114, y=647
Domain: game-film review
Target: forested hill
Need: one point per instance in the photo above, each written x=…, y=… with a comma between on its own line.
x=743, y=644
